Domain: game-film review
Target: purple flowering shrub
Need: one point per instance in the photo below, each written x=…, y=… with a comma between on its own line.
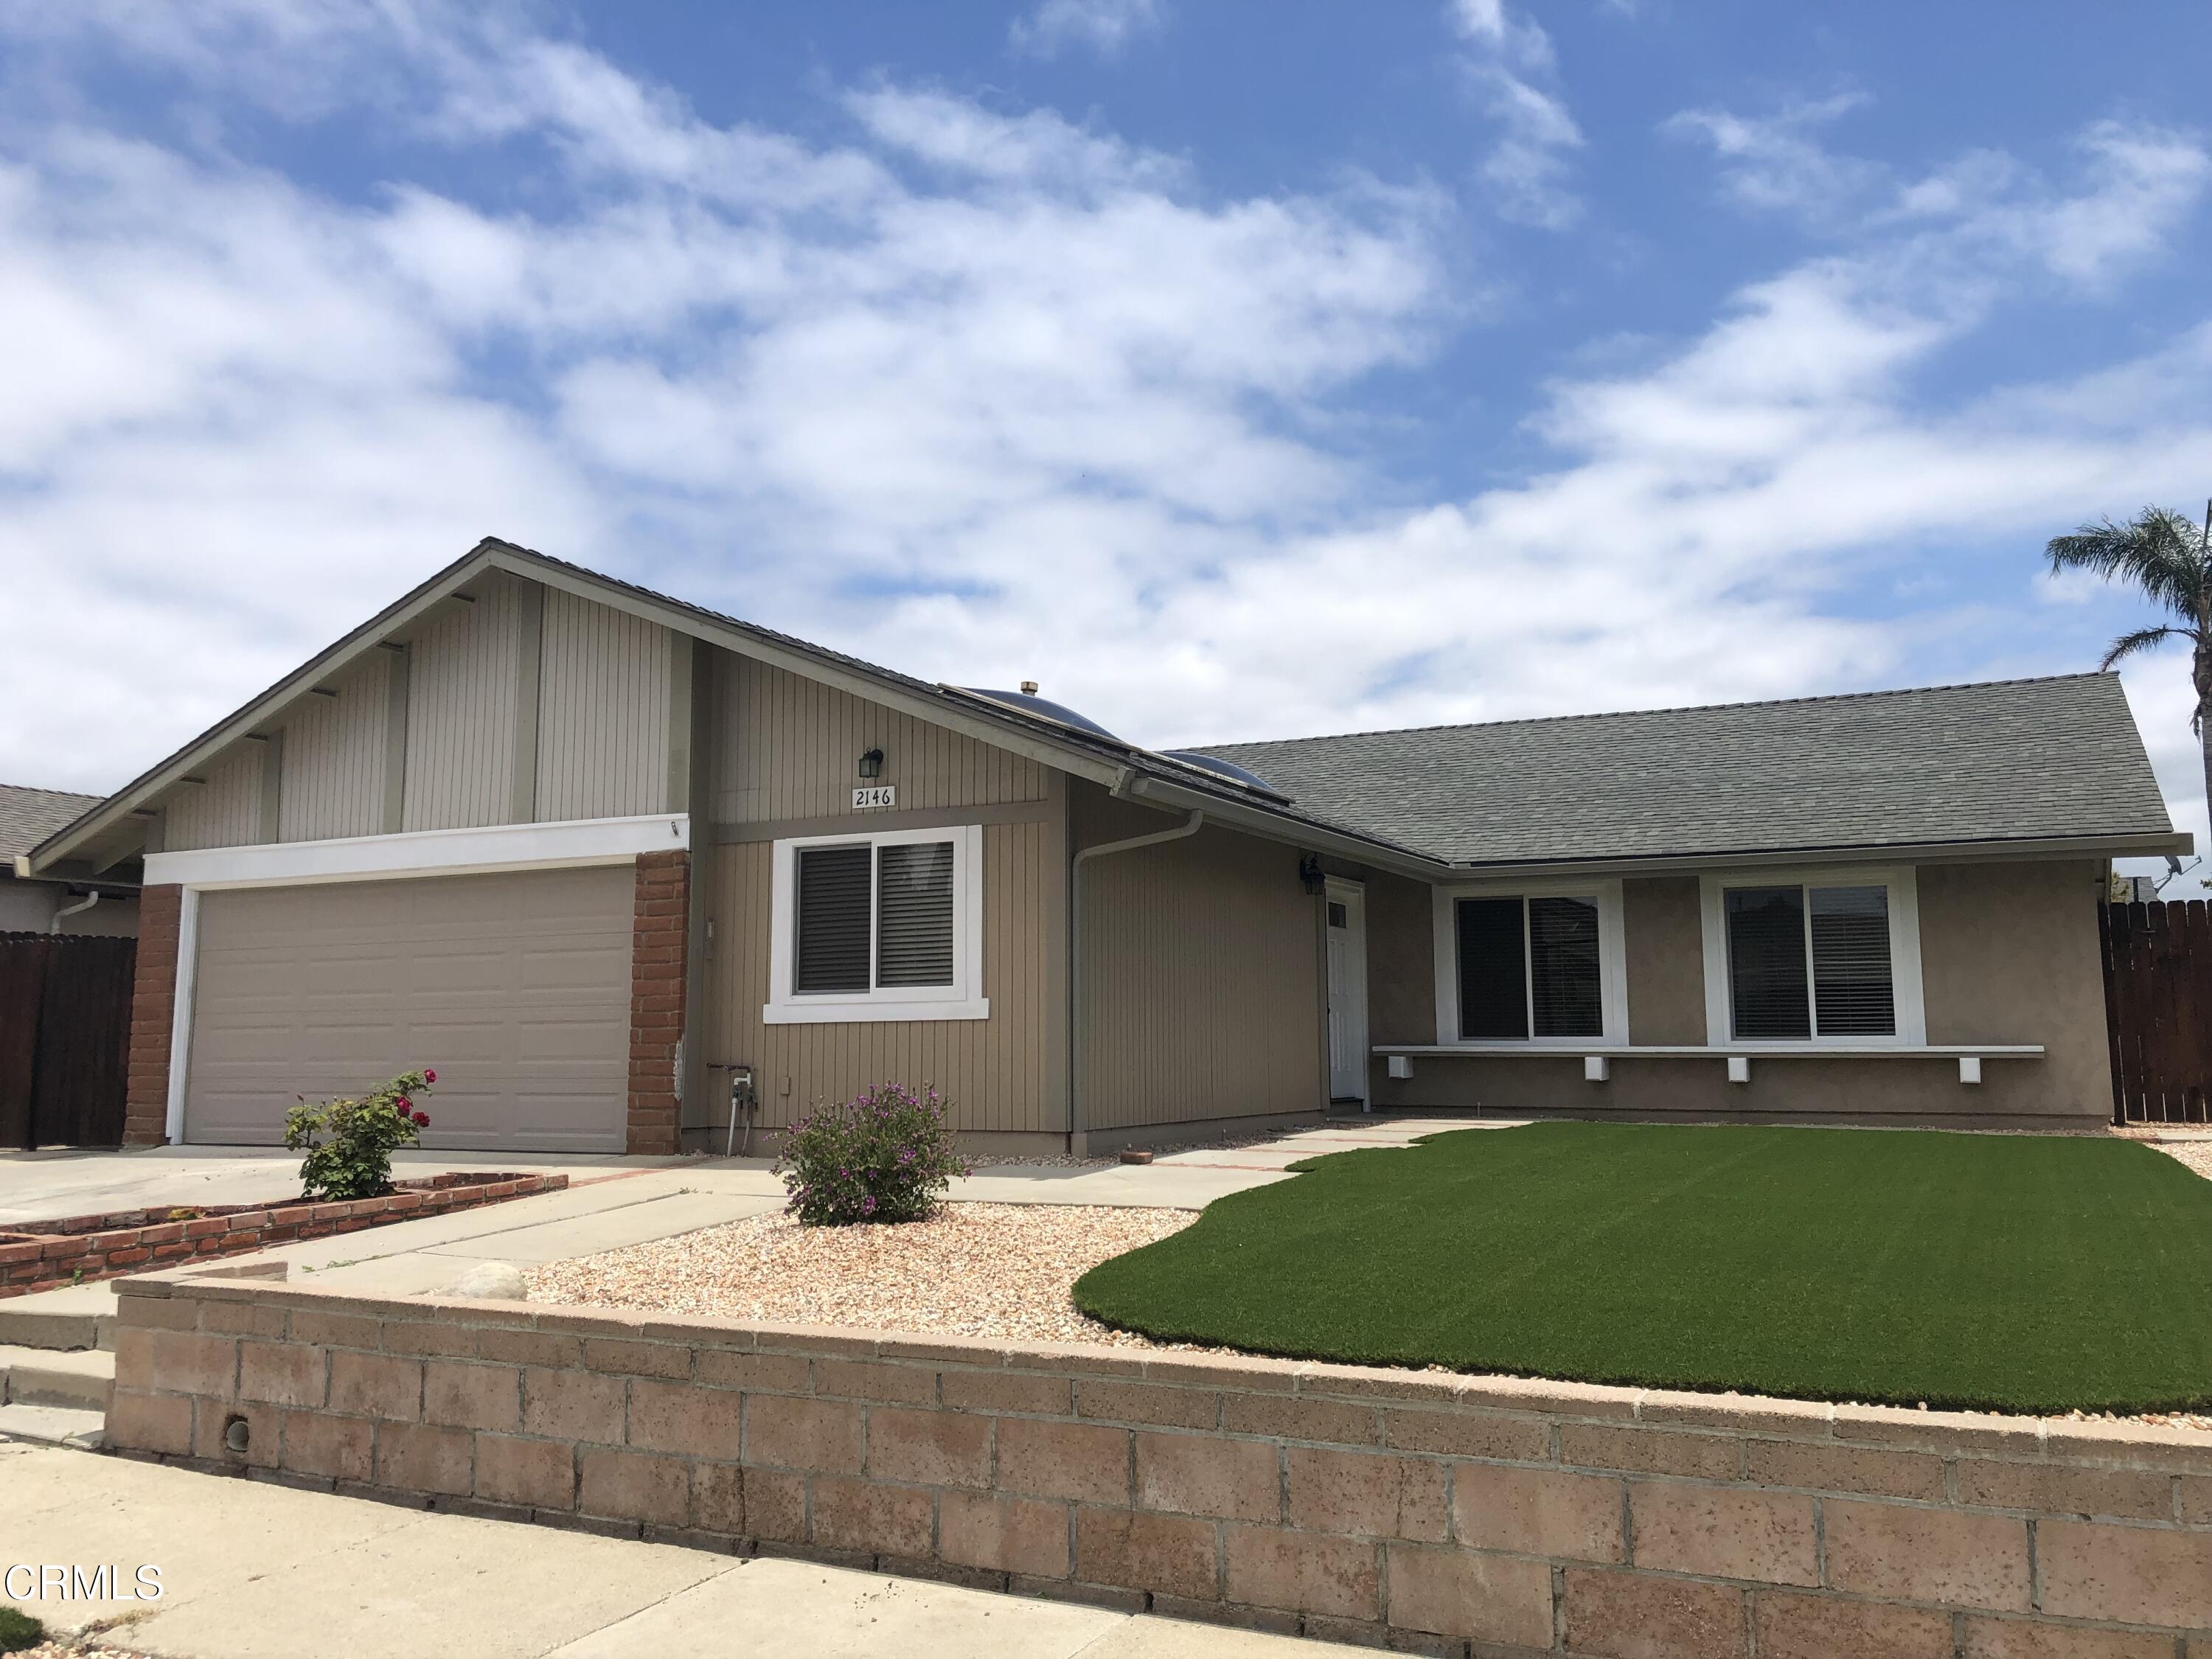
x=885, y=1155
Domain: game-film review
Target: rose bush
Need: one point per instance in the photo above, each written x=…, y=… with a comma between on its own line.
x=349, y=1143
x=885, y=1155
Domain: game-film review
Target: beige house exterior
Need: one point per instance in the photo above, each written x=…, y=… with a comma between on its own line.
x=594, y=854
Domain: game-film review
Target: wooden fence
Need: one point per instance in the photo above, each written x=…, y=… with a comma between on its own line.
x=2158, y=1010
x=65, y=1038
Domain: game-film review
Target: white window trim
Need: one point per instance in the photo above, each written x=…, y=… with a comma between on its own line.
x=1611, y=956
x=1904, y=954
x=962, y=1000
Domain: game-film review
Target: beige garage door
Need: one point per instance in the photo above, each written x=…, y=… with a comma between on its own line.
x=514, y=989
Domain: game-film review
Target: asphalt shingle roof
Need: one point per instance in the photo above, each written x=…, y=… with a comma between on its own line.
x=28, y=816
x=2020, y=760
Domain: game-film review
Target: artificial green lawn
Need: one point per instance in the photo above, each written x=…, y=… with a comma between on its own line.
x=2011, y=1272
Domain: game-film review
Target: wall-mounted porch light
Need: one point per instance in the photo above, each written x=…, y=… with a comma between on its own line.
x=871, y=763
x=1311, y=874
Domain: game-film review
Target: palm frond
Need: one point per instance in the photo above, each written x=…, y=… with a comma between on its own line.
x=2143, y=639
x=2158, y=551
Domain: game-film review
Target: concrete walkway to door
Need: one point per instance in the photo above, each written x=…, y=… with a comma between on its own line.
x=609, y=1203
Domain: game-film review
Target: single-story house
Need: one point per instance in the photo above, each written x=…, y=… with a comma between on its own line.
x=593, y=851
x=61, y=900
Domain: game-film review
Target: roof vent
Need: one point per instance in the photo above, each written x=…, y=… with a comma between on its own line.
x=1029, y=688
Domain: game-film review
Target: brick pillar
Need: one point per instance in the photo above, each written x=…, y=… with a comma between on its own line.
x=153, y=1012
x=659, y=931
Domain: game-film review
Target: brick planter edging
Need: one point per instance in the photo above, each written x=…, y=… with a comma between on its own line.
x=1449, y=1514
x=78, y=1249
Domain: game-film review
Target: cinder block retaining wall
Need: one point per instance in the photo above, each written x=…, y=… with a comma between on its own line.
x=1447, y=1514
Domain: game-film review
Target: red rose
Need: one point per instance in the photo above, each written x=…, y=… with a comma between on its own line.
x=421, y=1119
x=430, y=1076
x=404, y=1105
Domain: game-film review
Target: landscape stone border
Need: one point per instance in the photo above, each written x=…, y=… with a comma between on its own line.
x=1471, y=1515
x=36, y=1255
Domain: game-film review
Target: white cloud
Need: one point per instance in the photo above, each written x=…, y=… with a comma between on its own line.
x=2139, y=182
x=982, y=395
x=1510, y=64
x=1773, y=163
x=1104, y=26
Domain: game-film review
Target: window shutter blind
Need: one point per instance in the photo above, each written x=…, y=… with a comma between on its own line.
x=1563, y=964
x=1767, y=962
x=832, y=919
x=1493, y=970
x=914, y=919
x=1851, y=989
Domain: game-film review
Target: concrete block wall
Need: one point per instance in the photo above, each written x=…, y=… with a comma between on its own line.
x=1474, y=1516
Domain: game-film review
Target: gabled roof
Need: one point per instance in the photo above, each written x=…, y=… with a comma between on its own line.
x=2046, y=765
x=1128, y=768
x=2012, y=762
x=28, y=816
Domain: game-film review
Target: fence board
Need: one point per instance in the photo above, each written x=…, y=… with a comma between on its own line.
x=65, y=1038
x=2158, y=1010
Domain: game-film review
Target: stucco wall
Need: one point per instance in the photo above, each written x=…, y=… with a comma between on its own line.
x=1202, y=974
x=29, y=906
x=2008, y=954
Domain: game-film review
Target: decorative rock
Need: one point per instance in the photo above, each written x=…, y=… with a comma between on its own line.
x=492, y=1281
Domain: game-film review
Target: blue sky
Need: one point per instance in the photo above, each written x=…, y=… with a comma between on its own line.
x=1237, y=370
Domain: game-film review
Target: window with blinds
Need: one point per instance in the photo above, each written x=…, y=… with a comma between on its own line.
x=1851, y=992
x=1810, y=961
x=834, y=884
x=894, y=898
x=1528, y=965
x=914, y=913
x=1565, y=994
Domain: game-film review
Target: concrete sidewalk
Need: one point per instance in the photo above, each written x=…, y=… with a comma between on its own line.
x=250, y=1570
x=36, y=1186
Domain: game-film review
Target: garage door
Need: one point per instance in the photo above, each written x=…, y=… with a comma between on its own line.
x=514, y=987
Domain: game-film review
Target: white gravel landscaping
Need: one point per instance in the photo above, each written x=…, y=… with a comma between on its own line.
x=990, y=1270
x=2197, y=1154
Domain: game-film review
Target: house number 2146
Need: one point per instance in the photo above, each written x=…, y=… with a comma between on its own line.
x=875, y=794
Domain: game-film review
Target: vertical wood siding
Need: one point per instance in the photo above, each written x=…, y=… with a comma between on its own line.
x=334, y=755
x=603, y=713
x=785, y=748
x=225, y=811
x=461, y=710
x=995, y=1071
x=1201, y=985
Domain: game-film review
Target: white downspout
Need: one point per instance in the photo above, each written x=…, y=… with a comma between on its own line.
x=1188, y=826
x=55, y=925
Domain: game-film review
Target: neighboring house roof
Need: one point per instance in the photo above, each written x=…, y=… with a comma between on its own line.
x=2026, y=759
x=28, y=816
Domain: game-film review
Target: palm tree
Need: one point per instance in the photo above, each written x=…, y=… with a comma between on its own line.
x=2170, y=559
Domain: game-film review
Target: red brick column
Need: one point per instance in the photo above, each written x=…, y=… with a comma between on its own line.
x=658, y=936
x=153, y=1012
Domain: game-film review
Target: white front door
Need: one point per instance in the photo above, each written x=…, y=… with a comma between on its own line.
x=1347, y=990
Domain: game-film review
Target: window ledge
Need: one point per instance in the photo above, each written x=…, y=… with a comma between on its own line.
x=870, y=1013
x=1746, y=1050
